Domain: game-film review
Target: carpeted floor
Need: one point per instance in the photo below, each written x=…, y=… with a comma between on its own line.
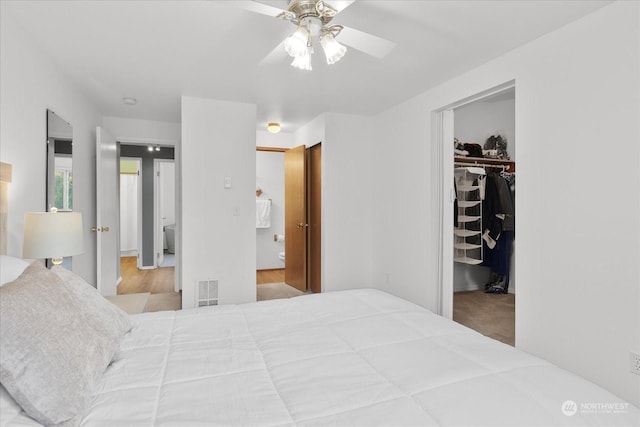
x=493, y=315
x=164, y=301
x=173, y=300
x=276, y=290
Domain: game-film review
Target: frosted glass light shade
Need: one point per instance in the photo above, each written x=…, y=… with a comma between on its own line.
x=296, y=43
x=273, y=127
x=303, y=62
x=332, y=49
x=52, y=235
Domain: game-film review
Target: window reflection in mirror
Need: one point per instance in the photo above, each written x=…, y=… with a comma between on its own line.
x=59, y=163
x=59, y=167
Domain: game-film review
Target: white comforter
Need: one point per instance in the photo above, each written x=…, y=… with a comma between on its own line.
x=359, y=357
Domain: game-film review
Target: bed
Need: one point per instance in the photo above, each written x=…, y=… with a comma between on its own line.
x=359, y=357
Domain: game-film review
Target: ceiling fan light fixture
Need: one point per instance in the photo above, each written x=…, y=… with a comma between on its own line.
x=333, y=50
x=273, y=127
x=296, y=43
x=303, y=62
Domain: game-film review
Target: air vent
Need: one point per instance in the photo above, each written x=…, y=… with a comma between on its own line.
x=207, y=293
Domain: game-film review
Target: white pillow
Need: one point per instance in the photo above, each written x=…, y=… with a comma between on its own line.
x=11, y=268
x=57, y=335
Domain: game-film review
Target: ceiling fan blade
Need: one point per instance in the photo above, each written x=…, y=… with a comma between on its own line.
x=365, y=42
x=256, y=7
x=340, y=5
x=276, y=55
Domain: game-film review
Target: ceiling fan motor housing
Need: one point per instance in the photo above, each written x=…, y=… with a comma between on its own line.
x=312, y=8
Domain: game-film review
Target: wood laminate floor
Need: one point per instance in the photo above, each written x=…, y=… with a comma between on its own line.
x=158, y=282
x=155, y=281
x=270, y=276
x=493, y=315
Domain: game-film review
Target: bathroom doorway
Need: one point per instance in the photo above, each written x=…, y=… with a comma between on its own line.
x=301, y=167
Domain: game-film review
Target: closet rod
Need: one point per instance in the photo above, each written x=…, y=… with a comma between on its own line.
x=483, y=165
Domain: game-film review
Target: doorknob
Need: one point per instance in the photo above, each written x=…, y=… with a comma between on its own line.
x=102, y=229
x=302, y=225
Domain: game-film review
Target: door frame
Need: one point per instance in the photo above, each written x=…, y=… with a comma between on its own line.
x=128, y=140
x=442, y=121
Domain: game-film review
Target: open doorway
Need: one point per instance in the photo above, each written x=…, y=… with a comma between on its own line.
x=288, y=188
x=141, y=271
x=478, y=159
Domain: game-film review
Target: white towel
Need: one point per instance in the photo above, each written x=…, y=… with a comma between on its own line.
x=263, y=213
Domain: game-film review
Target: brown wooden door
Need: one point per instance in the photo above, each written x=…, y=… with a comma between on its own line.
x=295, y=218
x=314, y=215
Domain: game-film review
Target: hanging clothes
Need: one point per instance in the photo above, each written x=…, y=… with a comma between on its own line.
x=500, y=232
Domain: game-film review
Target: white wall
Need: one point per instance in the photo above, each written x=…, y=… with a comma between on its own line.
x=578, y=173
x=348, y=200
x=311, y=133
x=477, y=121
x=278, y=140
x=217, y=224
x=270, y=179
x=31, y=83
x=142, y=131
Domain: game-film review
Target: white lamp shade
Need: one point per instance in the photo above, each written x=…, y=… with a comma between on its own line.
x=332, y=49
x=52, y=235
x=296, y=43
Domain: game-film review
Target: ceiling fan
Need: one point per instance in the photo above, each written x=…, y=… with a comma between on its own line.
x=312, y=19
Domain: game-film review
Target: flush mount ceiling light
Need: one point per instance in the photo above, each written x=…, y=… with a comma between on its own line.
x=129, y=101
x=273, y=127
x=312, y=18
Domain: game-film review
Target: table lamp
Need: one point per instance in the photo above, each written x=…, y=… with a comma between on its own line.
x=52, y=235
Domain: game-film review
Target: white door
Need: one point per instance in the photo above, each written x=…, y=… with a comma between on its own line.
x=107, y=207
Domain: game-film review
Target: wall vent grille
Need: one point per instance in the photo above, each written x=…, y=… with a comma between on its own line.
x=207, y=293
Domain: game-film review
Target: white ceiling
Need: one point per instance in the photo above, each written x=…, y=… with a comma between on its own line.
x=157, y=51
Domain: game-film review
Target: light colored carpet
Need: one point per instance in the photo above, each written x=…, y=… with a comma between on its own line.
x=131, y=303
x=493, y=315
x=173, y=300
x=276, y=290
x=164, y=301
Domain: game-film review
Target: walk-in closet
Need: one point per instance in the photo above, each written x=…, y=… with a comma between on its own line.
x=484, y=280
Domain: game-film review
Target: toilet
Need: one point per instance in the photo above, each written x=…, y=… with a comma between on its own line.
x=281, y=256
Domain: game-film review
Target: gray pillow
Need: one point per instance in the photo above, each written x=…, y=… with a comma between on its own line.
x=57, y=335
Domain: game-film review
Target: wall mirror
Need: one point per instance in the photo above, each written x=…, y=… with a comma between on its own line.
x=59, y=163
x=59, y=167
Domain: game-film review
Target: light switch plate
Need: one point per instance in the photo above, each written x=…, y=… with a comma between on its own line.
x=227, y=182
